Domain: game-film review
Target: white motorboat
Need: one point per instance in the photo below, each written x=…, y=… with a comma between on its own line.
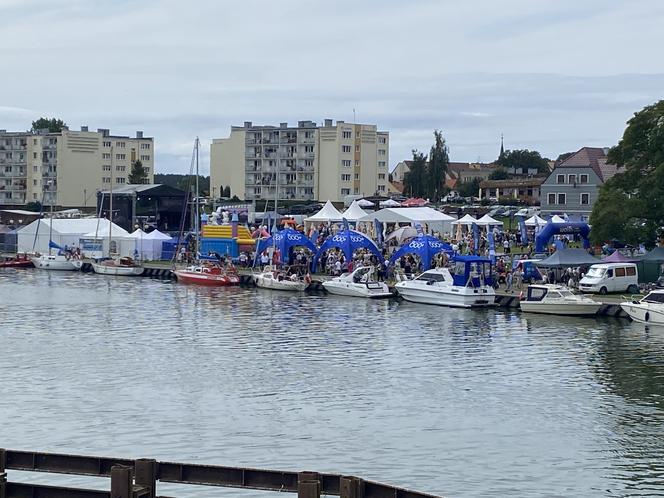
x=56, y=262
x=469, y=286
x=557, y=300
x=649, y=309
x=119, y=267
x=359, y=283
x=276, y=279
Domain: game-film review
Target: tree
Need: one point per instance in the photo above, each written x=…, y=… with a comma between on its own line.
x=138, y=174
x=499, y=174
x=564, y=156
x=53, y=125
x=227, y=191
x=523, y=159
x=35, y=206
x=469, y=189
x=415, y=180
x=438, y=162
x=631, y=203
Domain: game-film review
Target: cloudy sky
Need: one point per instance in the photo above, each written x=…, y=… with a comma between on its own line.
x=551, y=75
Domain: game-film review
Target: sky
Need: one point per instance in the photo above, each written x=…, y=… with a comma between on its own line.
x=549, y=75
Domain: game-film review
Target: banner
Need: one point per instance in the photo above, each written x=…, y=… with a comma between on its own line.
x=378, y=227
x=476, y=238
x=492, y=246
x=524, y=231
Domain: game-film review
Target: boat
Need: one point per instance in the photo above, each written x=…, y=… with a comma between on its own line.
x=124, y=266
x=557, y=300
x=359, y=283
x=207, y=274
x=649, y=309
x=56, y=262
x=469, y=283
x=272, y=278
x=19, y=261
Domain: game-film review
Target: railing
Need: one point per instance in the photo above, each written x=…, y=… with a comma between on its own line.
x=138, y=478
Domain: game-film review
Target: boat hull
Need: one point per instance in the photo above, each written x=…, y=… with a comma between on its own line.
x=17, y=264
x=123, y=271
x=644, y=313
x=188, y=277
x=274, y=284
x=566, y=309
x=356, y=290
x=463, y=297
x=55, y=263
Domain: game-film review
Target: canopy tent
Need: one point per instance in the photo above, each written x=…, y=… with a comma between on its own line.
x=535, y=221
x=435, y=220
x=618, y=257
x=656, y=255
x=354, y=212
x=67, y=232
x=424, y=246
x=149, y=245
x=285, y=240
x=415, y=202
x=488, y=221
x=465, y=220
x=389, y=203
x=401, y=234
x=564, y=258
x=363, y=203
x=348, y=241
x=557, y=219
x=95, y=244
x=328, y=213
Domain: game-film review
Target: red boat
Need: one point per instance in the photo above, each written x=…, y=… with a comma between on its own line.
x=20, y=261
x=208, y=275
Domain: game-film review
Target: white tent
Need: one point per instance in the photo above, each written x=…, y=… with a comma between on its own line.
x=534, y=221
x=327, y=214
x=465, y=220
x=363, y=203
x=435, y=220
x=94, y=244
x=557, y=219
x=488, y=221
x=401, y=234
x=354, y=212
x=389, y=203
x=149, y=245
x=66, y=232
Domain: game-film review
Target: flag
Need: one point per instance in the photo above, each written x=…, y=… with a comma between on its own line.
x=314, y=236
x=378, y=226
x=492, y=246
x=476, y=238
x=346, y=227
x=524, y=231
x=53, y=245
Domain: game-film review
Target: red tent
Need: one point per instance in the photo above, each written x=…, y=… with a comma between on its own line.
x=415, y=202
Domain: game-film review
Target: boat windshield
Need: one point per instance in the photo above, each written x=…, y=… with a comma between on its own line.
x=431, y=277
x=654, y=297
x=566, y=293
x=596, y=272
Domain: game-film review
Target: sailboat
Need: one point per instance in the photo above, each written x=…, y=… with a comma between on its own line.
x=205, y=273
x=50, y=261
x=122, y=266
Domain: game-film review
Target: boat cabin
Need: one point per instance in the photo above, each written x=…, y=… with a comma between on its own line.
x=472, y=271
x=539, y=292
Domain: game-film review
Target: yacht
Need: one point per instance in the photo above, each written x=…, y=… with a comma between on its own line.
x=557, y=300
x=649, y=309
x=123, y=266
x=272, y=278
x=56, y=262
x=207, y=274
x=468, y=283
x=359, y=283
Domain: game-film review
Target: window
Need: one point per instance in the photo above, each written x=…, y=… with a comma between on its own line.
x=34, y=141
x=345, y=191
x=346, y=134
x=105, y=156
x=107, y=144
x=35, y=169
x=145, y=158
x=551, y=199
x=583, y=178
x=571, y=179
x=382, y=164
x=630, y=271
x=119, y=180
x=357, y=176
x=106, y=167
x=562, y=199
x=146, y=169
x=308, y=148
x=585, y=199
x=34, y=155
x=357, y=162
x=34, y=182
x=106, y=179
x=346, y=163
x=382, y=152
x=345, y=148
x=120, y=157
x=382, y=140
x=381, y=176
x=145, y=146
x=381, y=188
x=345, y=178
x=120, y=145
x=120, y=168
x=620, y=272
x=357, y=148
x=560, y=178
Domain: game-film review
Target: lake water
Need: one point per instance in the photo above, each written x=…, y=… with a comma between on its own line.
x=461, y=403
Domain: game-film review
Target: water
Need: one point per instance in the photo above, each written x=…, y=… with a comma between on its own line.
x=461, y=403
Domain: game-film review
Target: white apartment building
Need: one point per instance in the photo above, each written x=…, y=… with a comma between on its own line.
x=66, y=169
x=307, y=162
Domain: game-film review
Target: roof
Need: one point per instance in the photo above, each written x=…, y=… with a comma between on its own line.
x=513, y=182
x=405, y=214
x=568, y=258
x=327, y=213
x=593, y=157
x=71, y=226
x=354, y=212
x=152, y=188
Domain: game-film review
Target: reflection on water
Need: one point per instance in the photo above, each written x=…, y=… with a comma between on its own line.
x=456, y=402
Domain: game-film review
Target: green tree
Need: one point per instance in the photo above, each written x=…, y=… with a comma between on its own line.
x=631, y=203
x=33, y=206
x=523, y=159
x=138, y=175
x=227, y=191
x=469, y=189
x=415, y=180
x=52, y=124
x=499, y=174
x=564, y=156
x=182, y=182
x=438, y=161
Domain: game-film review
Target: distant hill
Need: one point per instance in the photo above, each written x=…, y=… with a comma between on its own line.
x=182, y=181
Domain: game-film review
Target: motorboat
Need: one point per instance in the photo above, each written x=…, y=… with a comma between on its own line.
x=557, y=300
x=272, y=278
x=468, y=283
x=207, y=274
x=20, y=261
x=124, y=266
x=649, y=309
x=359, y=283
x=56, y=262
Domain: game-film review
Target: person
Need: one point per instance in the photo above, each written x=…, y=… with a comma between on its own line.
x=265, y=259
x=506, y=245
x=337, y=268
x=509, y=280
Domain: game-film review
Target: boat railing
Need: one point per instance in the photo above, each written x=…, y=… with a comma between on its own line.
x=138, y=478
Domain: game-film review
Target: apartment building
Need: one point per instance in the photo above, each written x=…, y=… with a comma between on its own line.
x=306, y=162
x=66, y=169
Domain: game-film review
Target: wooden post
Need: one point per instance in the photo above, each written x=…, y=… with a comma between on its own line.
x=121, y=482
x=146, y=475
x=351, y=487
x=308, y=485
x=3, y=475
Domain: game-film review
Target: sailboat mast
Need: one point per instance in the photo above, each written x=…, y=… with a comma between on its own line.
x=50, y=225
x=196, y=205
x=110, y=209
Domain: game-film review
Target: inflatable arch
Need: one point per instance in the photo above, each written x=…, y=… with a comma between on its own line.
x=550, y=229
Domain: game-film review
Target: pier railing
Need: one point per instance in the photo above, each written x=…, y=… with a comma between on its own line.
x=139, y=478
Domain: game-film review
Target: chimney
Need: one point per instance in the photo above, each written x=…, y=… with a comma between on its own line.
x=283, y=125
x=247, y=124
x=84, y=128
x=339, y=121
x=328, y=122
x=139, y=134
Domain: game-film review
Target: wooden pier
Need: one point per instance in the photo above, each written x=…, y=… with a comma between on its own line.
x=139, y=478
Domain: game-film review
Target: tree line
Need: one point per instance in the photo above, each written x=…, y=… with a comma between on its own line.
x=426, y=176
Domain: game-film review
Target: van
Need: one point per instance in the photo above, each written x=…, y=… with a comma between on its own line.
x=611, y=277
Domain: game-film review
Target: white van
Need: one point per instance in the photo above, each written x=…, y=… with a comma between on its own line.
x=611, y=277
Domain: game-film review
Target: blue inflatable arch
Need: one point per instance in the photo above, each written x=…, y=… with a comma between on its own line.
x=550, y=229
x=348, y=241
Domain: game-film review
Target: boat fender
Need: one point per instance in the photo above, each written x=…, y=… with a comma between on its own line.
x=647, y=317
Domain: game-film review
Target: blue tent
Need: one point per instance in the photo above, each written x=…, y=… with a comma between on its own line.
x=348, y=241
x=473, y=270
x=285, y=240
x=425, y=246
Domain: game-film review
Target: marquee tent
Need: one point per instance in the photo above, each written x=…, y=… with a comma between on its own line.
x=328, y=213
x=617, y=257
x=389, y=203
x=149, y=245
x=557, y=219
x=363, y=203
x=488, y=221
x=348, y=241
x=95, y=244
x=564, y=258
x=354, y=212
x=656, y=255
x=465, y=220
x=401, y=234
x=435, y=220
x=535, y=221
x=425, y=246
